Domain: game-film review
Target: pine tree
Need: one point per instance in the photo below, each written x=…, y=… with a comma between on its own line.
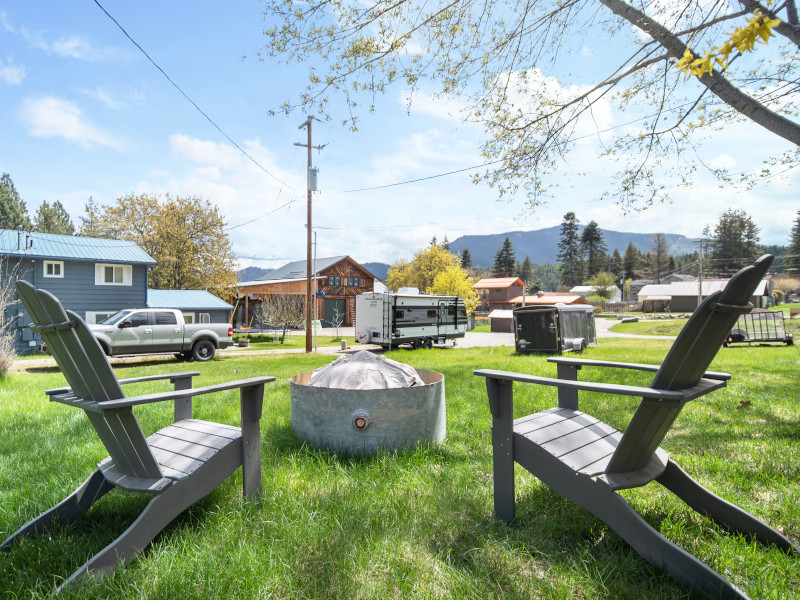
x=504, y=261
x=446, y=244
x=526, y=271
x=53, y=219
x=569, y=252
x=615, y=264
x=792, y=260
x=659, y=257
x=594, y=248
x=630, y=262
x=90, y=222
x=466, y=259
x=13, y=211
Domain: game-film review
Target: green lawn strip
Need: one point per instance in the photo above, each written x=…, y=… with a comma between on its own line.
x=293, y=342
x=417, y=524
x=650, y=327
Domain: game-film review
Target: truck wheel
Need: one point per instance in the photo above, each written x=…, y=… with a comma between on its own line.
x=104, y=347
x=203, y=351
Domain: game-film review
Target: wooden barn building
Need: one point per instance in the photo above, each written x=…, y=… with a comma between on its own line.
x=337, y=281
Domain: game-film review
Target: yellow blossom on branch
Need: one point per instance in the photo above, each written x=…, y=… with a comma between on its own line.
x=758, y=29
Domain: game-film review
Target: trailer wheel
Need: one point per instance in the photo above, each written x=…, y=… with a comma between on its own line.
x=429, y=343
x=417, y=344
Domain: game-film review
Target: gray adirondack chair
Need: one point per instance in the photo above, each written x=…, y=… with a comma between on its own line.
x=178, y=465
x=587, y=460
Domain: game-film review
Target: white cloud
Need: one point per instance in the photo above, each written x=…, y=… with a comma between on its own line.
x=53, y=118
x=72, y=46
x=723, y=161
x=11, y=73
x=6, y=25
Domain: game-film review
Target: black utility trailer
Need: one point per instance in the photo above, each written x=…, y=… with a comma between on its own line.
x=760, y=326
x=554, y=328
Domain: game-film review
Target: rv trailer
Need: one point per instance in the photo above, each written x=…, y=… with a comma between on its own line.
x=391, y=319
x=554, y=328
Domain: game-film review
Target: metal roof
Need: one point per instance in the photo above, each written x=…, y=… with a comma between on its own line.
x=71, y=247
x=657, y=291
x=297, y=269
x=185, y=300
x=492, y=283
x=549, y=298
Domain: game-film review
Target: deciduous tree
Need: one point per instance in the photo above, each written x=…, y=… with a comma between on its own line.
x=185, y=236
x=53, y=218
x=455, y=281
x=603, y=285
x=422, y=270
x=285, y=311
x=680, y=69
x=733, y=242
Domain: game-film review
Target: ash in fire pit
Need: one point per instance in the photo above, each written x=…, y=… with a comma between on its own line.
x=362, y=402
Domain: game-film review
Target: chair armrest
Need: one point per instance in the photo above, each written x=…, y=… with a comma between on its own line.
x=188, y=393
x=585, y=362
x=172, y=376
x=675, y=397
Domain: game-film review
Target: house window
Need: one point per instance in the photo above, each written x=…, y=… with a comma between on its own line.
x=106, y=274
x=205, y=318
x=334, y=280
x=352, y=282
x=188, y=317
x=98, y=316
x=53, y=268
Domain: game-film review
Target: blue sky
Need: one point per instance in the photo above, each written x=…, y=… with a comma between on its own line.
x=84, y=113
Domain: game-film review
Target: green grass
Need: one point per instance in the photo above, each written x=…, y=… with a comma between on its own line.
x=417, y=524
x=654, y=327
x=294, y=342
x=483, y=328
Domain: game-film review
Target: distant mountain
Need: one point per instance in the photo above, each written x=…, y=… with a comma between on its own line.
x=541, y=246
x=252, y=274
x=379, y=269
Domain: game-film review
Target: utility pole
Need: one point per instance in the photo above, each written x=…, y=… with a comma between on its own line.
x=311, y=180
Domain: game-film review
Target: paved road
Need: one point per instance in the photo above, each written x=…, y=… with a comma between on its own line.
x=472, y=339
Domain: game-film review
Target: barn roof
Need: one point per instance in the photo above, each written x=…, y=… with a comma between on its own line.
x=497, y=283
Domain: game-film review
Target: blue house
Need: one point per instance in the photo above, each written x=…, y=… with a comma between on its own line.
x=197, y=306
x=91, y=276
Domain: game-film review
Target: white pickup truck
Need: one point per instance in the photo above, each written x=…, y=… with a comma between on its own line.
x=158, y=331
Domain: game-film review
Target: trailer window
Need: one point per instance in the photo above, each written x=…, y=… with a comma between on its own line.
x=432, y=314
x=399, y=314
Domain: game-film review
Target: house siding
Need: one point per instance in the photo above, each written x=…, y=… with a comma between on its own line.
x=76, y=291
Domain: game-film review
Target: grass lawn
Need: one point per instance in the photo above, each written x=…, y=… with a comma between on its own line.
x=291, y=342
x=654, y=327
x=417, y=524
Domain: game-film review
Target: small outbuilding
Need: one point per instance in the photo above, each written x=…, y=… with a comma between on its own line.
x=501, y=321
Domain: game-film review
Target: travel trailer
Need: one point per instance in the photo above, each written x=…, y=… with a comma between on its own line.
x=409, y=317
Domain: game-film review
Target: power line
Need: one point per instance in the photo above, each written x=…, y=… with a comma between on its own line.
x=193, y=103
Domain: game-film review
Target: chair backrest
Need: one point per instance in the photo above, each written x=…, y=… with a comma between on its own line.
x=690, y=356
x=89, y=374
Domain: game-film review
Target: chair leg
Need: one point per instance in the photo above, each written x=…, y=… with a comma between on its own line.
x=67, y=510
x=158, y=514
x=723, y=512
x=655, y=548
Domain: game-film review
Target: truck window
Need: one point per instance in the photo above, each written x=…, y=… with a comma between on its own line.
x=166, y=318
x=117, y=317
x=137, y=320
